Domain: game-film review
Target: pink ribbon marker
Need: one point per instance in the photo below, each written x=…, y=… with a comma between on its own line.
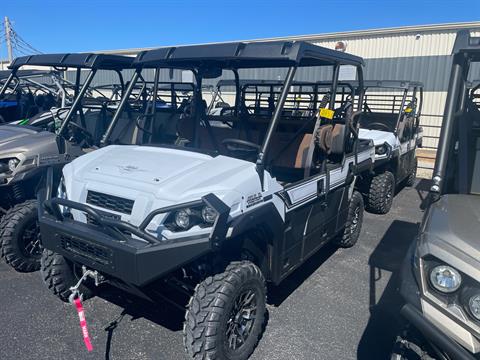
x=83, y=323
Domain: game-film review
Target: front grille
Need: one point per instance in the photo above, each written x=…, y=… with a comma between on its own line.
x=110, y=202
x=92, y=221
x=86, y=249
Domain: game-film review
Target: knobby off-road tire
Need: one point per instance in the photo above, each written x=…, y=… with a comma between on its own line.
x=353, y=226
x=381, y=193
x=58, y=275
x=20, y=237
x=2, y=225
x=225, y=317
x=410, y=181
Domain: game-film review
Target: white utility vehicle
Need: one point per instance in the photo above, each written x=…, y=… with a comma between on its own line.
x=218, y=204
x=392, y=120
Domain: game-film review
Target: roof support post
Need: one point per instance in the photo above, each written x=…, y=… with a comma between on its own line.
x=78, y=75
x=237, y=91
x=275, y=118
x=121, y=105
x=400, y=110
x=7, y=83
x=77, y=102
x=360, y=88
x=155, y=91
x=336, y=71
x=455, y=98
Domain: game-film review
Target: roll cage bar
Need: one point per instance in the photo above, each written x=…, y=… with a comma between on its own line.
x=466, y=50
x=27, y=77
x=408, y=86
x=251, y=86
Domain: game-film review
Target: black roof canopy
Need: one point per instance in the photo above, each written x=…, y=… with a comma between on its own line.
x=464, y=43
x=83, y=60
x=238, y=55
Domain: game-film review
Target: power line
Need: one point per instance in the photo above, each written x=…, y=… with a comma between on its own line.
x=18, y=38
x=14, y=40
x=19, y=51
x=23, y=48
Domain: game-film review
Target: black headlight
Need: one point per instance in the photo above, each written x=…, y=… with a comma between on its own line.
x=383, y=149
x=184, y=219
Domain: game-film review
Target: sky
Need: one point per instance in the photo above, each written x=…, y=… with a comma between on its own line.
x=86, y=25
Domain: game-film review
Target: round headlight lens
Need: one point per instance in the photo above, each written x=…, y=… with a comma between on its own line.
x=474, y=305
x=12, y=164
x=381, y=150
x=182, y=219
x=209, y=215
x=445, y=278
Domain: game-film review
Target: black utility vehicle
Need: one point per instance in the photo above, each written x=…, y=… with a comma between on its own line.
x=230, y=202
x=391, y=119
x=441, y=273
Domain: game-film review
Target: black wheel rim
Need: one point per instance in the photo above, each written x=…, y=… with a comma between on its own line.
x=355, y=220
x=241, y=320
x=30, y=241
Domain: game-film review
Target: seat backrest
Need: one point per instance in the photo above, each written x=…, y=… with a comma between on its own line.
x=124, y=128
x=287, y=153
x=185, y=127
x=96, y=123
x=165, y=125
x=338, y=139
x=331, y=138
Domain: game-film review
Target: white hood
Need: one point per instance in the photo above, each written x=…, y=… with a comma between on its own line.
x=379, y=137
x=156, y=177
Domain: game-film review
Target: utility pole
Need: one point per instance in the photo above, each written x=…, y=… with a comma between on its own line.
x=9, y=40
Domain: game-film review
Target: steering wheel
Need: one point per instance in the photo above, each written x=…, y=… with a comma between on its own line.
x=140, y=126
x=242, y=148
x=380, y=125
x=185, y=108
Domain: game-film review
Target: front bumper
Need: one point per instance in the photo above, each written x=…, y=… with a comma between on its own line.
x=434, y=334
x=109, y=248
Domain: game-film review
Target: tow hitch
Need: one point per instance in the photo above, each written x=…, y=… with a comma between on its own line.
x=98, y=279
x=75, y=299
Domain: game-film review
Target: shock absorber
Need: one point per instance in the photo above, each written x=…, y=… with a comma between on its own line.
x=18, y=192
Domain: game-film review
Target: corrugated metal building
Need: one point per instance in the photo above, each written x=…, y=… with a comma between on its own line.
x=421, y=53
